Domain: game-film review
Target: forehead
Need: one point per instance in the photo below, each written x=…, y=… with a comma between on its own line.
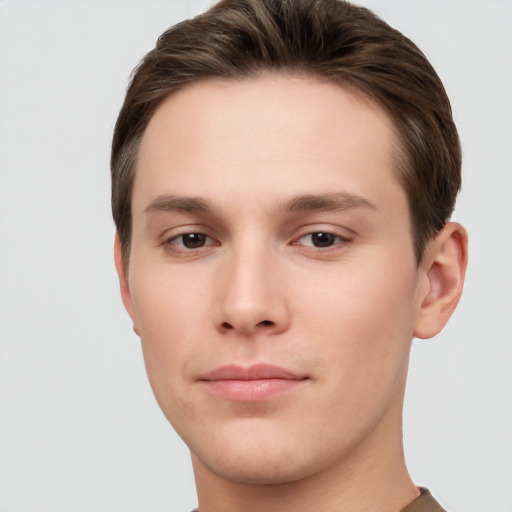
x=272, y=132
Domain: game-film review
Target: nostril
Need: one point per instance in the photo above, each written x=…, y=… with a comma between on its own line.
x=226, y=326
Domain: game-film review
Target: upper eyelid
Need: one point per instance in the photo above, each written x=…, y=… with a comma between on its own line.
x=170, y=238
x=308, y=229
x=185, y=229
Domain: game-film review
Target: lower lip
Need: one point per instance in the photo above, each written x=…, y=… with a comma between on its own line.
x=251, y=390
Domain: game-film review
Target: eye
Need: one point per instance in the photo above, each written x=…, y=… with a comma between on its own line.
x=193, y=240
x=189, y=241
x=321, y=239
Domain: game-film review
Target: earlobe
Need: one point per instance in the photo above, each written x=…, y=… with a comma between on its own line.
x=444, y=269
x=124, y=285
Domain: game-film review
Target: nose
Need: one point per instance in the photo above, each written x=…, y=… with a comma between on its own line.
x=252, y=294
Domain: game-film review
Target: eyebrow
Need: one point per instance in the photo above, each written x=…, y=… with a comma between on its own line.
x=303, y=203
x=179, y=203
x=338, y=201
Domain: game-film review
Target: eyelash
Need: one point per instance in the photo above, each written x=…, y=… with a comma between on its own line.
x=333, y=240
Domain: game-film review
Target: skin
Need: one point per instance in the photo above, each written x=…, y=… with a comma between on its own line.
x=256, y=169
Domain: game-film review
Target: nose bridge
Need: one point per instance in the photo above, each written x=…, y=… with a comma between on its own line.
x=251, y=298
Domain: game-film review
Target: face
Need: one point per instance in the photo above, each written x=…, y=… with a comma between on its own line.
x=272, y=275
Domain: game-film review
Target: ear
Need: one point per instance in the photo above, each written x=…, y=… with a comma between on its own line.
x=443, y=270
x=124, y=285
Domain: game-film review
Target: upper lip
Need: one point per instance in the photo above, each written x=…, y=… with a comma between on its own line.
x=254, y=372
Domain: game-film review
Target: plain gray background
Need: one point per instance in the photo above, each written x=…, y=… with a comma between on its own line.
x=79, y=428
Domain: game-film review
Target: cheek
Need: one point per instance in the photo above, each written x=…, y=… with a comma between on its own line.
x=167, y=304
x=364, y=322
x=167, y=314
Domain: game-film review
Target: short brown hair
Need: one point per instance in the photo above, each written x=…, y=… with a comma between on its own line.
x=330, y=39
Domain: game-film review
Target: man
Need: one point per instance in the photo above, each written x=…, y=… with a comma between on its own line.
x=283, y=176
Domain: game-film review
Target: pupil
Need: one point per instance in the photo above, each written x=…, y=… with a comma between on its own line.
x=193, y=240
x=323, y=239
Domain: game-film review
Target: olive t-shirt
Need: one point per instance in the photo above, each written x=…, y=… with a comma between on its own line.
x=423, y=503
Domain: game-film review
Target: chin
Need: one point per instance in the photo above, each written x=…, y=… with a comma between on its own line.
x=250, y=450
x=262, y=459
x=270, y=470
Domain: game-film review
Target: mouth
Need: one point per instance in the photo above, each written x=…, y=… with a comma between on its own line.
x=250, y=384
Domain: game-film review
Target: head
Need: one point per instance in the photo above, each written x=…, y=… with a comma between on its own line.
x=283, y=173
